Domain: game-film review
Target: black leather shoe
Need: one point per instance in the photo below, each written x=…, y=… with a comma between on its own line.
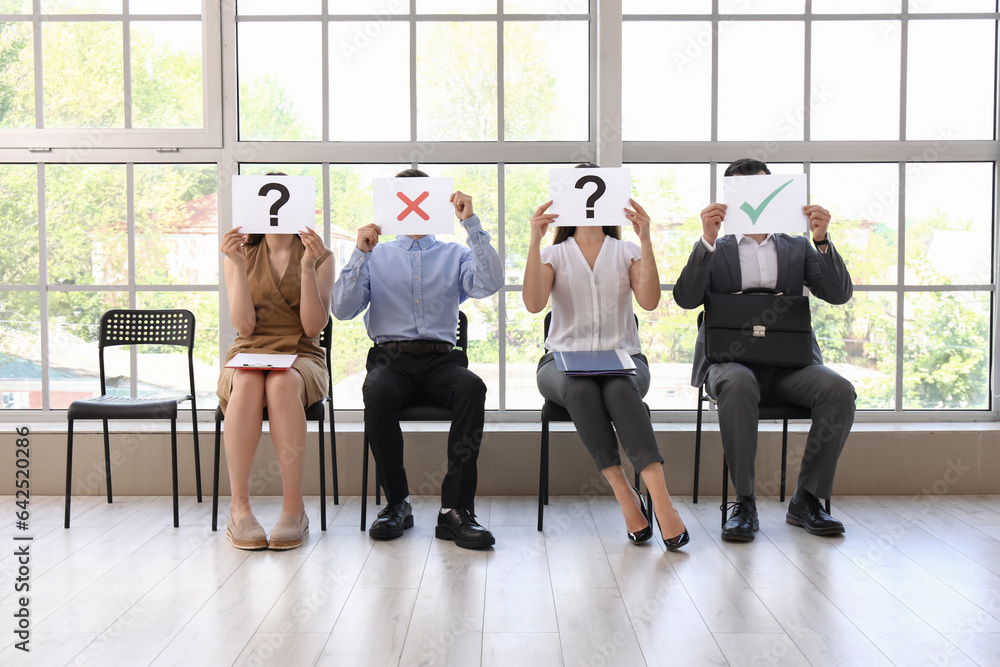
x=647, y=532
x=460, y=526
x=391, y=521
x=805, y=510
x=674, y=543
x=742, y=523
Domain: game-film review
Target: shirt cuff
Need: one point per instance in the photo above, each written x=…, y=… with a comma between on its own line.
x=708, y=246
x=357, y=258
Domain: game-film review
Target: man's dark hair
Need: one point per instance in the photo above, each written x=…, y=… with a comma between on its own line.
x=587, y=165
x=411, y=173
x=746, y=167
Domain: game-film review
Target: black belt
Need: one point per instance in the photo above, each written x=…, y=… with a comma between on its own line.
x=417, y=346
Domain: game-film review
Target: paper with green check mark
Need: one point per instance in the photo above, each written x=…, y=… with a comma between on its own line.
x=764, y=204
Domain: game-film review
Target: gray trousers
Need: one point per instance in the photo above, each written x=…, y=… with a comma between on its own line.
x=596, y=402
x=739, y=390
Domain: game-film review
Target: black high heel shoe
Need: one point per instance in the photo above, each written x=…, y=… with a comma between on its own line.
x=674, y=543
x=647, y=532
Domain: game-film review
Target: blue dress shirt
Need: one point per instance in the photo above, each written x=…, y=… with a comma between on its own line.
x=414, y=286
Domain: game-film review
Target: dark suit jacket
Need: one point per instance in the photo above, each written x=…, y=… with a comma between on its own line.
x=799, y=264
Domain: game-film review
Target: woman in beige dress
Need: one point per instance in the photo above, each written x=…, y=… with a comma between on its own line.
x=279, y=288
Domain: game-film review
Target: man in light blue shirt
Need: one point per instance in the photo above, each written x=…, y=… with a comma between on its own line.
x=412, y=287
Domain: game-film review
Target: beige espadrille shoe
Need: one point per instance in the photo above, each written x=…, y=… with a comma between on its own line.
x=247, y=534
x=289, y=532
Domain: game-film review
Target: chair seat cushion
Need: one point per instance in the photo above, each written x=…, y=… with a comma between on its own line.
x=118, y=407
x=554, y=412
x=784, y=411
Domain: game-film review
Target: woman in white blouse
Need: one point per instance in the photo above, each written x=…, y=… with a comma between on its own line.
x=591, y=275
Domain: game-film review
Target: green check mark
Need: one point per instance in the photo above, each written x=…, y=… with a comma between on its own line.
x=754, y=213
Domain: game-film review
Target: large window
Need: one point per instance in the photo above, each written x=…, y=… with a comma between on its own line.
x=122, y=121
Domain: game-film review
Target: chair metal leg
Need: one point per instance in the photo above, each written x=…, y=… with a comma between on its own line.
x=107, y=459
x=69, y=469
x=784, y=457
x=173, y=466
x=333, y=456
x=543, y=457
x=725, y=488
x=697, y=450
x=197, y=449
x=364, y=482
x=215, y=477
x=322, y=476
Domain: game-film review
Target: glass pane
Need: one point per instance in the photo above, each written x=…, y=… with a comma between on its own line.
x=166, y=74
x=526, y=187
x=550, y=58
x=678, y=106
x=358, y=58
x=162, y=371
x=673, y=195
x=949, y=222
x=160, y=7
x=17, y=79
x=19, y=224
x=86, y=225
x=314, y=170
x=952, y=6
x=176, y=224
x=560, y=7
x=20, y=351
x=856, y=6
x=525, y=346
x=351, y=205
x=457, y=81
x=456, y=6
x=83, y=74
x=939, y=104
x=668, y=335
x=82, y=7
x=667, y=6
x=484, y=346
x=855, y=92
x=284, y=8
x=479, y=181
x=863, y=200
x=761, y=98
x=858, y=340
x=374, y=7
x=15, y=6
x=761, y=7
x=280, y=81
x=947, y=353
x=74, y=328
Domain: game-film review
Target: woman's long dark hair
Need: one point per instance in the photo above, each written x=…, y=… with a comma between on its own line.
x=563, y=233
x=254, y=239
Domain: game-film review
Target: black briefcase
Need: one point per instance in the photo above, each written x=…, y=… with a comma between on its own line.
x=758, y=327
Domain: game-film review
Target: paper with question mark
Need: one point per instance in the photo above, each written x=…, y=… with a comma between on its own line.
x=274, y=204
x=590, y=197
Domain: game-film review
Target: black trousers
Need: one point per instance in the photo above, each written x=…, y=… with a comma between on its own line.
x=399, y=379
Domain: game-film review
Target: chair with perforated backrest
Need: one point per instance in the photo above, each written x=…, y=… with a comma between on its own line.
x=315, y=412
x=768, y=411
x=138, y=327
x=410, y=413
x=553, y=412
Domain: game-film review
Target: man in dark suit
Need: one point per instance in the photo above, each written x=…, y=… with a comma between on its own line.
x=733, y=263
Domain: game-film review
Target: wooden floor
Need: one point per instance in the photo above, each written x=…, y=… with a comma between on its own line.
x=915, y=581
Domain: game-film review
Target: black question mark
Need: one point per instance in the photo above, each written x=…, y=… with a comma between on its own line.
x=278, y=203
x=596, y=194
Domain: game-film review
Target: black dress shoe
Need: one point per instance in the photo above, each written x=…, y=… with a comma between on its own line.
x=805, y=510
x=391, y=521
x=460, y=526
x=647, y=532
x=742, y=523
x=674, y=543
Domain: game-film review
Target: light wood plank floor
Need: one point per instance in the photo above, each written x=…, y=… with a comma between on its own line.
x=915, y=581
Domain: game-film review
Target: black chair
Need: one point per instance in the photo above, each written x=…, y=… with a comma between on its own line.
x=138, y=327
x=553, y=412
x=410, y=413
x=315, y=412
x=768, y=411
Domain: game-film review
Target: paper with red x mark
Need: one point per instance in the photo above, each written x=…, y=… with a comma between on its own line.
x=414, y=205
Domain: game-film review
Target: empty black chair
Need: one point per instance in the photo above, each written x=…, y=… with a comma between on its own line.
x=138, y=327
x=410, y=413
x=315, y=412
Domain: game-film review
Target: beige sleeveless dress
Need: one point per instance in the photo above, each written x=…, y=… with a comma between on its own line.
x=279, y=329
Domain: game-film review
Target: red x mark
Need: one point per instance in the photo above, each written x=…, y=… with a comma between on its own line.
x=413, y=206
